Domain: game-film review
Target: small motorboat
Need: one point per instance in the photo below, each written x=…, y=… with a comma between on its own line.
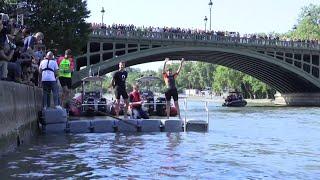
x=90, y=102
x=235, y=99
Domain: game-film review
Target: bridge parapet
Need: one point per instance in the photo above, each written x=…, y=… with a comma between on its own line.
x=208, y=38
x=289, y=67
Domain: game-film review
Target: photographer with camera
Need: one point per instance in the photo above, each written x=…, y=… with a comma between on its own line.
x=7, y=49
x=4, y=57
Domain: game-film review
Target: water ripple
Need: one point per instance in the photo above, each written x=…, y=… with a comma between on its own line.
x=242, y=143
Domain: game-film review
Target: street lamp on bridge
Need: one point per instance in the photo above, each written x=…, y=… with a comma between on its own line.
x=210, y=6
x=102, y=13
x=205, y=23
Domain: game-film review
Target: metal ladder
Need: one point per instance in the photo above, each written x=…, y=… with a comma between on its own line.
x=186, y=109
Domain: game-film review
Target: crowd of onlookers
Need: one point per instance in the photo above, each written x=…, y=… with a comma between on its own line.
x=20, y=52
x=25, y=59
x=129, y=28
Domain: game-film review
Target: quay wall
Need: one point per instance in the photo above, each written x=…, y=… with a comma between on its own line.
x=19, y=107
x=298, y=99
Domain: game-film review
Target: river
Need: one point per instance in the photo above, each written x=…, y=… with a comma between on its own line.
x=242, y=143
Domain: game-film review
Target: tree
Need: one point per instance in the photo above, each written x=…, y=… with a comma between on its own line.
x=61, y=21
x=7, y=8
x=255, y=88
x=225, y=79
x=2, y=6
x=308, y=27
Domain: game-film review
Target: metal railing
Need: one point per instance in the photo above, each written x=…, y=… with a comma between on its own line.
x=185, y=102
x=149, y=35
x=185, y=114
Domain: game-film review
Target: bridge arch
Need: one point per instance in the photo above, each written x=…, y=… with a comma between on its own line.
x=284, y=78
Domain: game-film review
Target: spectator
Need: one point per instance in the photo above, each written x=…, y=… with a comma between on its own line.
x=4, y=58
x=6, y=53
x=30, y=41
x=136, y=104
x=66, y=67
x=48, y=71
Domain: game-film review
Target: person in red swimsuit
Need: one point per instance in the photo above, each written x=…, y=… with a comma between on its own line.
x=171, y=91
x=136, y=104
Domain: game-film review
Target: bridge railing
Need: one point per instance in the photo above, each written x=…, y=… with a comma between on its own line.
x=114, y=33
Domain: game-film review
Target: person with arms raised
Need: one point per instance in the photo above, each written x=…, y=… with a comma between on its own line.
x=171, y=91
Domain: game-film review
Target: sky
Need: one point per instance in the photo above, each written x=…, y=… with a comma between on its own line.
x=244, y=16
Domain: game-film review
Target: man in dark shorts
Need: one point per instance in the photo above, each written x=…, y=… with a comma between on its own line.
x=171, y=91
x=66, y=67
x=119, y=85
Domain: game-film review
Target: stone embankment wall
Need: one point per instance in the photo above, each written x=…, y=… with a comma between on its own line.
x=298, y=99
x=19, y=107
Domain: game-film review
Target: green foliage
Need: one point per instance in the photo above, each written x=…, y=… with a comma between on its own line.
x=2, y=6
x=307, y=27
x=107, y=82
x=196, y=75
x=225, y=78
x=61, y=21
x=255, y=88
x=133, y=75
x=7, y=8
x=229, y=79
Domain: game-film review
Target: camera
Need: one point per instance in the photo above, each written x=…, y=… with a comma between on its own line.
x=12, y=46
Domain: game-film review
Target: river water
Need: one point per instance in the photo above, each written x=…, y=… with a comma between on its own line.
x=242, y=143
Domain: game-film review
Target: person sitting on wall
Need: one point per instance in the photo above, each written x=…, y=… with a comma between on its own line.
x=136, y=104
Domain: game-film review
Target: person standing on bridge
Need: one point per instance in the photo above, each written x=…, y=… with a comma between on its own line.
x=171, y=91
x=66, y=68
x=119, y=85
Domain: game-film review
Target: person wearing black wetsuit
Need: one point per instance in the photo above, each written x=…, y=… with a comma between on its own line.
x=119, y=85
x=171, y=91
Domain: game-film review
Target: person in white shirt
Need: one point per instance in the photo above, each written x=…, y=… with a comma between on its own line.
x=48, y=72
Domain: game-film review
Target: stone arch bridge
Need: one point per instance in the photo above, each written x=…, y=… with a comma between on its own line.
x=292, y=68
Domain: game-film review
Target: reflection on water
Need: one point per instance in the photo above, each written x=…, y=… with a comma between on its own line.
x=242, y=143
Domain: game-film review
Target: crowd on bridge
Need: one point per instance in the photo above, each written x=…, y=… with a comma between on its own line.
x=25, y=59
x=199, y=34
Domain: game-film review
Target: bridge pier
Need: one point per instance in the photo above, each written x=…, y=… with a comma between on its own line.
x=297, y=99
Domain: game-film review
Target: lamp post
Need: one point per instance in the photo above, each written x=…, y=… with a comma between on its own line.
x=205, y=23
x=102, y=13
x=210, y=6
